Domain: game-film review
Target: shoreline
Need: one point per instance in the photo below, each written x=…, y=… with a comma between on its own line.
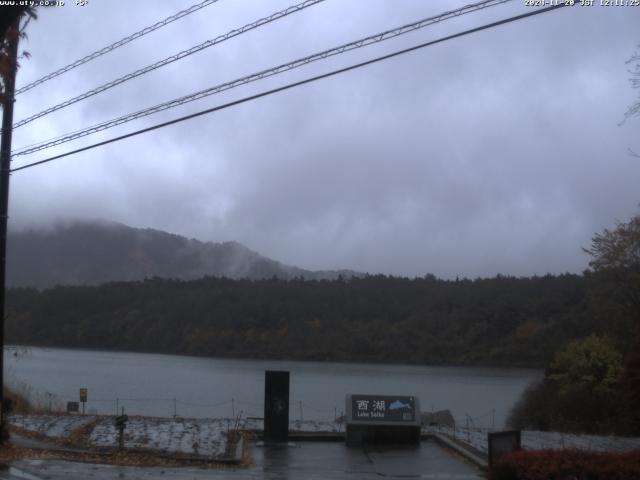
x=367, y=363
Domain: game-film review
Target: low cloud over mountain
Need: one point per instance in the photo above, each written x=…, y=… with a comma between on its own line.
x=90, y=253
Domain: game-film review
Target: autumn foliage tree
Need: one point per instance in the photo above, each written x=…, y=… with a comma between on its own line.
x=591, y=366
x=634, y=70
x=616, y=262
x=587, y=380
x=8, y=32
x=586, y=374
x=616, y=257
x=579, y=393
x=631, y=381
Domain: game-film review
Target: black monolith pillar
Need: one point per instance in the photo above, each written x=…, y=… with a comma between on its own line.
x=276, y=406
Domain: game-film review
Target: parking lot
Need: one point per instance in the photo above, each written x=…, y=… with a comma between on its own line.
x=296, y=460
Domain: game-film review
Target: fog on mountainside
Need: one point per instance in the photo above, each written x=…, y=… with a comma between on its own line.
x=92, y=253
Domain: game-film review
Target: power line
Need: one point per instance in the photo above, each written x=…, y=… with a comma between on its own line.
x=295, y=84
x=119, y=43
x=363, y=42
x=173, y=58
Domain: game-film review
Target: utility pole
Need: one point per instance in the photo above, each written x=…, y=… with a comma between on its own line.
x=5, y=165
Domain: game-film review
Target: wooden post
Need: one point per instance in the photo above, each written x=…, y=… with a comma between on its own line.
x=5, y=167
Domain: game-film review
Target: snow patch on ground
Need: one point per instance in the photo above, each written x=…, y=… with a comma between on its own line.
x=207, y=436
x=532, y=440
x=196, y=436
x=59, y=426
x=296, y=425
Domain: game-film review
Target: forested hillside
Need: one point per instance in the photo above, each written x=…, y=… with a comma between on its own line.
x=92, y=253
x=497, y=321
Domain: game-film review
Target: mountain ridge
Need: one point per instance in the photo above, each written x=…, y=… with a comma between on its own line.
x=93, y=252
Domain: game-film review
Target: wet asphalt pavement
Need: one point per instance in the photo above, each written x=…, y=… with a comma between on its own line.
x=301, y=460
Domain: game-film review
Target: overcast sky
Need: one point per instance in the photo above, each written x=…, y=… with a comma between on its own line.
x=499, y=152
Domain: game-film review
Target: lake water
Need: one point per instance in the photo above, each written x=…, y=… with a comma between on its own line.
x=159, y=385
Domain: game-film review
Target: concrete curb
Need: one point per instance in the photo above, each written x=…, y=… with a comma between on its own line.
x=472, y=457
x=13, y=473
x=307, y=436
x=239, y=453
x=317, y=437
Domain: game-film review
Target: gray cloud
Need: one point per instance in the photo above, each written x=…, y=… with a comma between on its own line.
x=495, y=153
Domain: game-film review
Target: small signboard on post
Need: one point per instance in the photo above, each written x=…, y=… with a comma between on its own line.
x=73, y=407
x=83, y=397
x=121, y=423
x=501, y=443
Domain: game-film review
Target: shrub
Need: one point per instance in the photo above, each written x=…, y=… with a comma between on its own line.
x=567, y=465
x=535, y=409
x=17, y=402
x=580, y=392
x=591, y=365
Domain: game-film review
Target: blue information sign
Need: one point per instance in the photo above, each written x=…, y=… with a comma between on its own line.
x=383, y=408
